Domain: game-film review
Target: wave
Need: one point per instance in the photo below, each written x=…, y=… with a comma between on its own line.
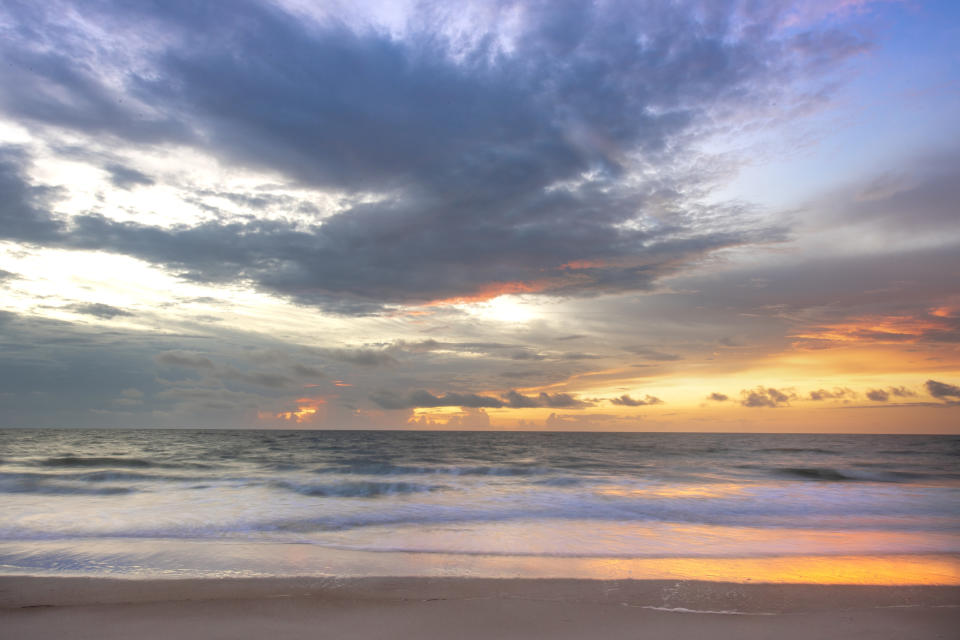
x=798, y=450
x=113, y=476
x=116, y=462
x=816, y=473
x=358, y=489
x=378, y=468
x=26, y=485
x=75, y=461
x=560, y=481
x=828, y=474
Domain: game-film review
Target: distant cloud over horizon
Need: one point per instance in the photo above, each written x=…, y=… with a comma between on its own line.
x=947, y=392
x=626, y=401
x=765, y=397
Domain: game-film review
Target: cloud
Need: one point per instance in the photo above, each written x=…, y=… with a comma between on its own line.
x=836, y=394
x=627, y=401
x=99, y=310
x=127, y=177
x=578, y=355
x=947, y=392
x=483, y=167
x=653, y=354
x=256, y=378
x=902, y=392
x=425, y=399
x=553, y=400
x=925, y=186
x=187, y=359
x=512, y=399
x=765, y=397
x=430, y=344
x=306, y=371
x=882, y=395
x=718, y=397
x=585, y=420
x=24, y=207
x=527, y=355
x=361, y=357
x=468, y=418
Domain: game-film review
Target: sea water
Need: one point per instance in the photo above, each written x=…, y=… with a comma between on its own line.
x=216, y=503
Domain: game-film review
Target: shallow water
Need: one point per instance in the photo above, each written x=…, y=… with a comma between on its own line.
x=286, y=503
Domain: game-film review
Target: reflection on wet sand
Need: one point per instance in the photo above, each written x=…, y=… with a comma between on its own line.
x=885, y=570
x=183, y=559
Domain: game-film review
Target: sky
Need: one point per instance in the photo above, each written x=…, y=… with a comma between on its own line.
x=702, y=215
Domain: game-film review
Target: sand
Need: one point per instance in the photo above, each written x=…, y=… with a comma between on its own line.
x=467, y=608
x=277, y=609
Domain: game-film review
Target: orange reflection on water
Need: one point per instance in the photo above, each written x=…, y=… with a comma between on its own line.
x=674, y=491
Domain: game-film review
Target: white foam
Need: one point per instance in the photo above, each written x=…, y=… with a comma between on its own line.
x=722, y=613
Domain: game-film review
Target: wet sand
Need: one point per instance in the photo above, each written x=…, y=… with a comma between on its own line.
x=468, y=608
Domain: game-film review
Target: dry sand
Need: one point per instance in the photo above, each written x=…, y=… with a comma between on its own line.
x=467, y=608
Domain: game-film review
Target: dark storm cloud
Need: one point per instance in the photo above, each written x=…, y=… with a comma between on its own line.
x=947, y=392
x=54, y=67
x=256, y=202
x=627, y=401
x=127, y=177
x=99, y=310
x=24, y=208
x=494, y=166
x=765, y=397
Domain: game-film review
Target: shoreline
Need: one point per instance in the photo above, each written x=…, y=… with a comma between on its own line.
x=698, y=595
x=468, y=608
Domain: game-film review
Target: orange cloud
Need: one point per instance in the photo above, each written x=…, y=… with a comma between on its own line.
x=584, y=264
x=306, y=409
x=880, y=329
x=494, y=290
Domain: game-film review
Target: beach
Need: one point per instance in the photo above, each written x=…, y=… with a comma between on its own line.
x=479, y=320
x=279, y=608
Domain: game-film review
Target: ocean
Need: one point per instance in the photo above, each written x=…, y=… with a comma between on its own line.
x=329, y=503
